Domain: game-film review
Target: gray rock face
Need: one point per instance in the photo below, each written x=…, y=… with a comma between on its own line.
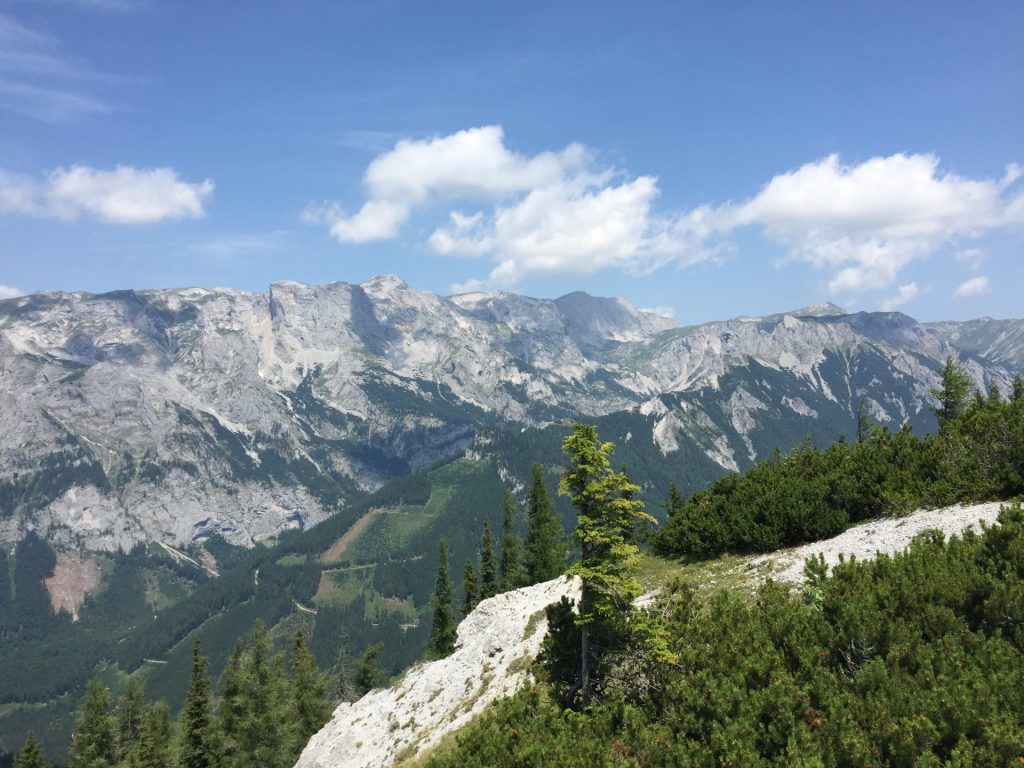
x=177, y=414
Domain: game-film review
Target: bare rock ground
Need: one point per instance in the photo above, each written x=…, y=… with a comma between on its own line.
x=495, y=646
x=865, y=541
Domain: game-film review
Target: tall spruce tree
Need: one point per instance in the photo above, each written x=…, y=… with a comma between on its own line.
x=155, y=737
x=674, y=503
x=266, y=721
x=865, y=424
x=488, y=564
x=1017, y=393
x=545, y=539
x=442, y=626
x=232, y=706
x=607, y=515
x=310, y=705
x=93, y=743
x=469, y=600
x=513, y=565
x=31, y=755
x=200, y=745
x=952, y=393
x=129, y=712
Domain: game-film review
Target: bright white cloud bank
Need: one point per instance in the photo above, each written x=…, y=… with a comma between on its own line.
x=976, y=286
x=9, y=292
x=124, y=195
x=561, y=213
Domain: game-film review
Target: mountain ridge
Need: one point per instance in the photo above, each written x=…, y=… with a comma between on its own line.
x=173, y=415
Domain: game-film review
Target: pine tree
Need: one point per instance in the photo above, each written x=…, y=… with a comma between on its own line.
x=607, y=514
x=513, y=567
x=233, y=702
x=675, y=503
x=93, y=744
x=200, y=743
x=129, y=712
x=952, y=393
x=344, y=688
x=545, y=548
x=1017, y=393
x=865, y=425
x=309, y=694
x=468, y=588
x=368, y=674
x=995, y=394
x=155, y=738
x=31, y=755
x=488, y=564
x=262, y=737
x=442, y=629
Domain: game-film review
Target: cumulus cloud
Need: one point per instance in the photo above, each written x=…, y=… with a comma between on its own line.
x=553, y=213
x=124, y=195
x=904, y=295
x=10, y=292
x=866, y=222
x=562, y=213
x=976, y=286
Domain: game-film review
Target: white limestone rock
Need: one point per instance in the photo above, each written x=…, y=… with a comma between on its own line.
x=496, y=643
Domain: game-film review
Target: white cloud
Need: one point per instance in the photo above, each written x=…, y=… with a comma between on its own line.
x=553, y=213
x=866, y=222
x=469, y=165
x=562, y=213
x=124, y=195
x=10, y=292
x=976, y=286
x=904, y=295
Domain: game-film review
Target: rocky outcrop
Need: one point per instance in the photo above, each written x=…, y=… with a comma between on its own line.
x=496, y=644
x=868, y=540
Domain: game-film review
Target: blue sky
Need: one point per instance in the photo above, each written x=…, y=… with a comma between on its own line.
x=707, y=159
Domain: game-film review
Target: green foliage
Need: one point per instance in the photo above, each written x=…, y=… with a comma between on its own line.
x=262, y=731
x=545, y=539
x=94, y=744
x=368, y=674
x=811, y=494
x=488, y=564
x=469, y=600
x=607, y=517
x=905, y=661
x=952, y=392
x=155, y=738
x=310, y=705
x=513, y=563
x=442, y=626
x=128, y=716
x=31, y=755
x=200, y=738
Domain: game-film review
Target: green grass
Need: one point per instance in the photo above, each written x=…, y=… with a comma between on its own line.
x=395, y=529
x=728, y=572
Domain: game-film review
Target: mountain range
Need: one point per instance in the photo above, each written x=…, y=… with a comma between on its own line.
x=176, y=415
